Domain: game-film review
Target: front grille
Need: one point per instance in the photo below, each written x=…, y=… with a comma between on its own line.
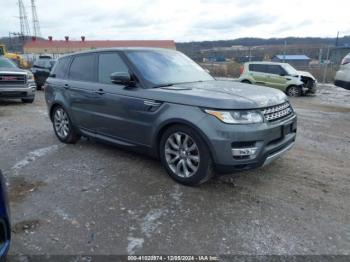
x=278, y=112
x=12, y=79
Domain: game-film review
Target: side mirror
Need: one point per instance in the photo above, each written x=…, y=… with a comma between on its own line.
x=121, y=78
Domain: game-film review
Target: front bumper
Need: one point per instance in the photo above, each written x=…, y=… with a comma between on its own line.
x=271, y=140
x=18, y=91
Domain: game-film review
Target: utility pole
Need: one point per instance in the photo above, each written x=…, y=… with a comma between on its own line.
x=336, y=40
x=284, y=51
x=24, y=25
x=326, y=67
x=36, y=25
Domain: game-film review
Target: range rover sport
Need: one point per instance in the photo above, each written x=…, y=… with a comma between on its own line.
x=160, y=102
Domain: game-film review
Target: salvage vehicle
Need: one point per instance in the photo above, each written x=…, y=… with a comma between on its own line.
x=16, y=83
x=5, y=226
x=160, y=102
x=278, y=75
x=41, y=70
x=342, y=77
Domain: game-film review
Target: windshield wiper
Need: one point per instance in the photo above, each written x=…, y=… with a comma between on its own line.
x=163, y=85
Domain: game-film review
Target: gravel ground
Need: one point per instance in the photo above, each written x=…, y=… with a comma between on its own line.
x=92, y=198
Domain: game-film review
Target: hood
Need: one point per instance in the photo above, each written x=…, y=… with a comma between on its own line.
x=220, y=95
x=11, y=70
x=307, y=74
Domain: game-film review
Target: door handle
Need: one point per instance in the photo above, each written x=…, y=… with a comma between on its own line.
x=100, y=91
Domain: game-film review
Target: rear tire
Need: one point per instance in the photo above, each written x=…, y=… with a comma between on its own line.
x=27, y=100
x=185, y=156
x=246, y=81
x=294, y=91
x=63, y=126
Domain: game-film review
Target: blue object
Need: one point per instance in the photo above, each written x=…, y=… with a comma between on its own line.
x=293, y=57
x=5, y=227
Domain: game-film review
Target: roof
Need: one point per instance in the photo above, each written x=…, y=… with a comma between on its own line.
x=265, y=63
x=293, y=57
x=99, y=44
x=97, y=50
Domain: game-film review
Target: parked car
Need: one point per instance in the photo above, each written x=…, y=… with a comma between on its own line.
x=342, y=77
x=160, y=102
x=16, y=83
x=5, y=226
x=278, y=75
x=41, y=70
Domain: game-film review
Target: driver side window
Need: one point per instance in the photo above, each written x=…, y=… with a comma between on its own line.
x=109, y=63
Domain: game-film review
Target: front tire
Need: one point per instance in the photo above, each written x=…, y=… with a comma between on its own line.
x=185, y=156
x=294, y=91
x=246, y=82
x=63, y=127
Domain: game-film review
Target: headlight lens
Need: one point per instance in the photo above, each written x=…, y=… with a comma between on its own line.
x=237, y=117
x=30, y=76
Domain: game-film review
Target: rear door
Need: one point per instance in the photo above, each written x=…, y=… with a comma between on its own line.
x=81, y=91
x=258, y=72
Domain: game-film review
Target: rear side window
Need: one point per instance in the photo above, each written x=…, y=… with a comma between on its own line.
x=109, y=63
x=61, y=68
x=258, y=68
x=82, y=68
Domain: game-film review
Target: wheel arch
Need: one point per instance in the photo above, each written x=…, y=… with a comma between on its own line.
x=172, y=122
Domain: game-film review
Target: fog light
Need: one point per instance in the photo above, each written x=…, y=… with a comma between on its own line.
x=248, y=151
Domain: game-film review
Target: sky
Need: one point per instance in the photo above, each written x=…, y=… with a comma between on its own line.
x=182, y=20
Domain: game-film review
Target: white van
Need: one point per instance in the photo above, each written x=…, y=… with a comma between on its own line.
x=342, y=77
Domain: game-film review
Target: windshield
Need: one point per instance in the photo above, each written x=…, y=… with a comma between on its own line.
x=163, y=67
x=7, y=63
x=290, y=70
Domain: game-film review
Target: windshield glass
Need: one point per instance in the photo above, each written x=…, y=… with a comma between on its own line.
x=290, y=70
x=7, y=63
x=162, y=67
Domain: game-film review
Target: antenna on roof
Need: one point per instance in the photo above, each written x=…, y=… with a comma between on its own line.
x=36, y=25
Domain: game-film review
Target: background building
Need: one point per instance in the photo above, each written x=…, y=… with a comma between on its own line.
x=59, y=47
x=295, y=60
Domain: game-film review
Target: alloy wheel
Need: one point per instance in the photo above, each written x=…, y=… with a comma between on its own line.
x=182, y=154
x=293, y=91
x=61, y=123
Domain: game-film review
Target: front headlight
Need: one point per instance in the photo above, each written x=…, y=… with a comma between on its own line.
x=237, y=117
x=30, y=76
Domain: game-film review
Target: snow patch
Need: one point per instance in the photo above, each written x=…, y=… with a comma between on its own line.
x=134, y=244
x=34, y=155
x=150, y=221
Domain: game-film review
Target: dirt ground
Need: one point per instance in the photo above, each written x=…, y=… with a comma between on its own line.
x=92, y=198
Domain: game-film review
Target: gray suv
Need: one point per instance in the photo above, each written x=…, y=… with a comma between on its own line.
x=161, y=103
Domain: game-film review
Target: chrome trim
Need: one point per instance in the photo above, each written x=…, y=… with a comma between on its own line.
x=30, y=88
x=278, y=154
x=237, y=151
x=151, y=103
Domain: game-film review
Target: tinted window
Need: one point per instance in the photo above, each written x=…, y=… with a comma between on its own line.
x=258, y=68
x=61, y=68
x=110, y=63
x=82, y=68
x=274, y=69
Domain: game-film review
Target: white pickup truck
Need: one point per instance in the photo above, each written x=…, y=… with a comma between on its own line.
x=16, y=83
